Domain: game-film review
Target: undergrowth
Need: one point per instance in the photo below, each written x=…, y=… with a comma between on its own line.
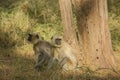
x=114, y=23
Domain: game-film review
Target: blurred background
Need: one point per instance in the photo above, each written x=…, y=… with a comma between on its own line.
x=20, y=17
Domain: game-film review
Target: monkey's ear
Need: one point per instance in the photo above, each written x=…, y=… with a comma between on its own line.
x=37, y=36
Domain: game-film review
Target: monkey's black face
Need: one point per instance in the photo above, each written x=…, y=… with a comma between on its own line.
x=29, y=37
x=58, y=41
x=32, y=37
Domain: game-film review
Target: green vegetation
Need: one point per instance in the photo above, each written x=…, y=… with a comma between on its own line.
x=26, y=17
x=114, y=22
x=115, y=30
x=20, y=17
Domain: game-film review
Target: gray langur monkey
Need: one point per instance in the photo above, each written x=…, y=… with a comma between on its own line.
x=43, y=52
x=64, y=53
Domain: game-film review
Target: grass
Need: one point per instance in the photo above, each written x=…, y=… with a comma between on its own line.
x=19, y=65
x=16, y=65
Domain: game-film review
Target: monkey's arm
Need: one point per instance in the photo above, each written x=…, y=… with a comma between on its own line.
x=56, y=46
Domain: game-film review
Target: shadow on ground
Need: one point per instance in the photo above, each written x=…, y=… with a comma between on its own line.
x=16, y=67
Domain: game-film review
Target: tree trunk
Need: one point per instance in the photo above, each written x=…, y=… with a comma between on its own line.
x=68, y=27
x=92, y=21
x=67, y=21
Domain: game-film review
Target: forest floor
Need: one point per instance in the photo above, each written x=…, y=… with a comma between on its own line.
x=18, y=64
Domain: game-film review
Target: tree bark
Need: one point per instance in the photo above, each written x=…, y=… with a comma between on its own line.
x=67, y=21
x=92, y=21
x=92, y=25
x=70, y=34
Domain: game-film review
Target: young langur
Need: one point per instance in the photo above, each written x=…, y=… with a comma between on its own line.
x=64, y=53
x=43, y=52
